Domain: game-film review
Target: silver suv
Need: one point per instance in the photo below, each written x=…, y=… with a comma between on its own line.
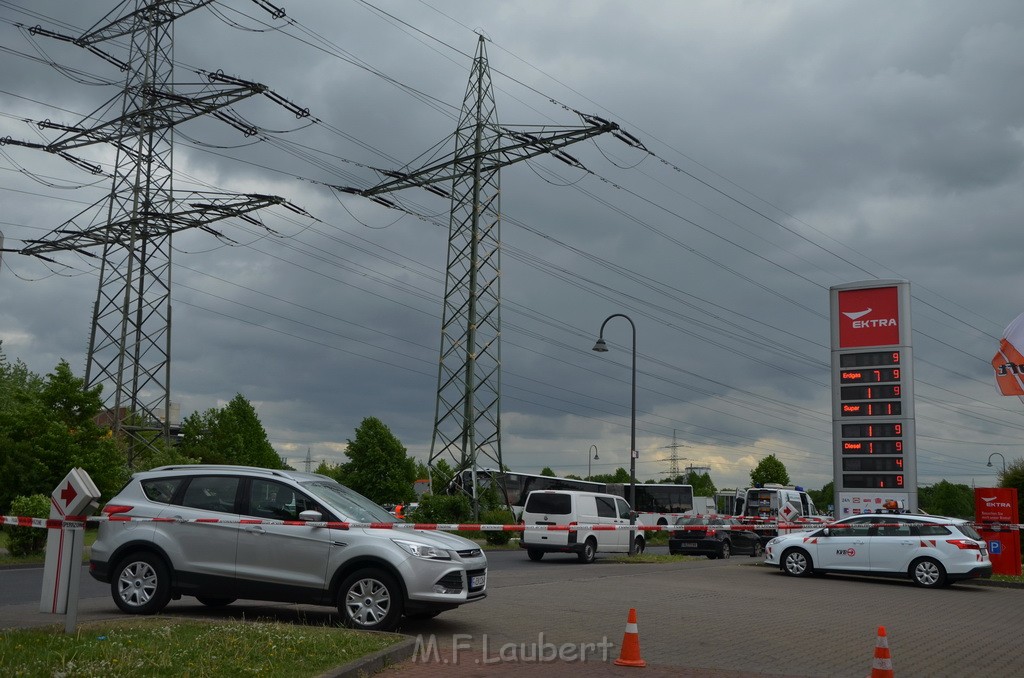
x=220, y=536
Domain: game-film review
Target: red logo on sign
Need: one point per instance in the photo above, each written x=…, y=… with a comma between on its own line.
x=869, y=317
x=68, y=494
x=995, y=504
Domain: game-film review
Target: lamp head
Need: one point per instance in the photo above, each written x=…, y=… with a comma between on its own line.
x=601, y=346
x=989, y=463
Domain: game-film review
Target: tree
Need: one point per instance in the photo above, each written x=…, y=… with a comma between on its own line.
x=769, y=470
x=546, y=471
x=232, y=434
x=379, y=467
x=947, y=499
x=1014, y=477
x=621, y=475
x=824, y=497
x=47, y=427
x=702, y=485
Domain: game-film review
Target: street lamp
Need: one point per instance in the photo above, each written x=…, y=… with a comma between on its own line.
x=601, y=347
x=1001, y=457
x=593, y=448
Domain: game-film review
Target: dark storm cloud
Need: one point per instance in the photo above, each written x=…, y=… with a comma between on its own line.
x=841, y=141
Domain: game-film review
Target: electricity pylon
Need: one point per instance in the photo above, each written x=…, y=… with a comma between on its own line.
x=130, y=338
x=467, y=421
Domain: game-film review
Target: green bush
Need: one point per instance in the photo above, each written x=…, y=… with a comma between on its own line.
x=24, y=541
x=439, y=508
x=497, y=517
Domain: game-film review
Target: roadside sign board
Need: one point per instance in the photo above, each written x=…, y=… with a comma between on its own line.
x=76, y=495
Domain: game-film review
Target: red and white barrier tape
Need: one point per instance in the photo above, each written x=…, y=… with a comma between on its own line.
x=58, y=523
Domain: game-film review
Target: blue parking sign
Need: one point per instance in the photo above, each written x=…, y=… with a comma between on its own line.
x=995, y=547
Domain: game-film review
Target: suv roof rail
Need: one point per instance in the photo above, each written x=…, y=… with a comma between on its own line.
x=222, y=467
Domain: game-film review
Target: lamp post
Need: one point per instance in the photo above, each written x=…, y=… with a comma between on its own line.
x=1001, y=457
x=601, y=347
x=593, y=448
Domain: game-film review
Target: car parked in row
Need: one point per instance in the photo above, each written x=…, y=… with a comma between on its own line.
x=220, y=535
x=932, y=551
x=714, y=537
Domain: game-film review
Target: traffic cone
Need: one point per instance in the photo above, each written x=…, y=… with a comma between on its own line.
x=881, y=666
x=630, y=653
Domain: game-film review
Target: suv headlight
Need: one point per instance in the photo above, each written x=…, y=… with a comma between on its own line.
x=425, y=551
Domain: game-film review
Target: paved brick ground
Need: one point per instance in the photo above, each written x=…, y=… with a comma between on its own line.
x=709, y=619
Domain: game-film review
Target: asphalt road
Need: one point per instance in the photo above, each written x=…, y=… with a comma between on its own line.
x=733, y=616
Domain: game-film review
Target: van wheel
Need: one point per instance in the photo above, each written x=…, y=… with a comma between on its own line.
x=589, y=551
x=535, y=554
x=370, y=600
x=638, y=545
x=141, y=584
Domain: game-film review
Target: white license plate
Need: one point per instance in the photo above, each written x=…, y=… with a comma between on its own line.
x=478, y=581
x=688, y=545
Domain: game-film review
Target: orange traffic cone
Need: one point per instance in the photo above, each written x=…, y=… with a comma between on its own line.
x=630, y=654
x=881, y=666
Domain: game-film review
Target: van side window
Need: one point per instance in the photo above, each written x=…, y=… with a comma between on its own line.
x=623, y=508
x=606, y=507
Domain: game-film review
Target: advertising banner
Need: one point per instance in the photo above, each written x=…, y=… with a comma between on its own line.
x=995, y=512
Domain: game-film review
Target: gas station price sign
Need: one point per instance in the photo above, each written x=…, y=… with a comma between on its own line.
x=872, y=392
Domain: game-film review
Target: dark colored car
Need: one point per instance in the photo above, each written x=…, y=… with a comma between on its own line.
x=714, y=537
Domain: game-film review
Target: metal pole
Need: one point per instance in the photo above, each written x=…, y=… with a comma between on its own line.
x=602, y=347
x=593, y=448
x=76, y=532
x=1001, y=457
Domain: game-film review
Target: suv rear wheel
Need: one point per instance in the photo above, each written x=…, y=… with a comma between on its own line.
x=370, y=600
x=141, y=584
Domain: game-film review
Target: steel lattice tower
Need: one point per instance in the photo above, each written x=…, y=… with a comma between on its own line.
x=467, y=421
x=467, y=418
x=130, y=337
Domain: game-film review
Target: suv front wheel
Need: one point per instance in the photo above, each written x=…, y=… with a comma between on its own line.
x=141, y=584
x=370, y=600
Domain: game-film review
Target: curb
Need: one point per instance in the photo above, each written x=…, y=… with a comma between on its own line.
x=370, y=664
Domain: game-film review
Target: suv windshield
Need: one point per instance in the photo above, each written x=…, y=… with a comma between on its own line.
x=350, y=505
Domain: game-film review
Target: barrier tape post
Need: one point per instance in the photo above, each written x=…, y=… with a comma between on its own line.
x=77, y=535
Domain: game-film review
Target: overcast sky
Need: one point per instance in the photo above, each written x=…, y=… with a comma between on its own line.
x=793, y=146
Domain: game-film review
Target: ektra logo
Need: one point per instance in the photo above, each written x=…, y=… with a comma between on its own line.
x=869, y=317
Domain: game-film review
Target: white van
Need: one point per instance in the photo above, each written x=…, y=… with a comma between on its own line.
x=573, y=507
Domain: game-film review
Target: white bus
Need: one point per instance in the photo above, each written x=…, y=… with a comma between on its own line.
x=657, y=503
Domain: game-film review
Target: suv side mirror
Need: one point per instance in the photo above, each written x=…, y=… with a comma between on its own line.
x=311, y=516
